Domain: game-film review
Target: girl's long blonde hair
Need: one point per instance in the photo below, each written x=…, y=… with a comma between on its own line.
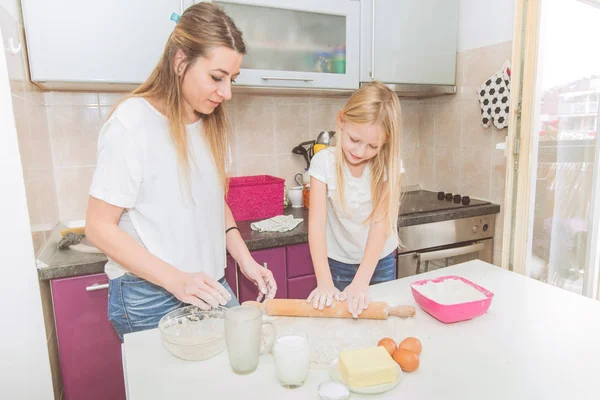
x=376, y=104
x=201, y=27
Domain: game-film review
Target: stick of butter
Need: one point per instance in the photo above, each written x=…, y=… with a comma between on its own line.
x=367, y=367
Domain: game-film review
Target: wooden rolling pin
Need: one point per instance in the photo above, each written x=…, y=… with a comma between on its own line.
x=300, y=308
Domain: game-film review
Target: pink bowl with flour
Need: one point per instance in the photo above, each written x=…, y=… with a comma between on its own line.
x=449, y=313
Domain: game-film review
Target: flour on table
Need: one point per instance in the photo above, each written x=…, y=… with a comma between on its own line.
x=450, y=291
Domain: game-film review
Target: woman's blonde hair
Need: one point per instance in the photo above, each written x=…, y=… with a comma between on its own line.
x=376, y=104
x=201, y=27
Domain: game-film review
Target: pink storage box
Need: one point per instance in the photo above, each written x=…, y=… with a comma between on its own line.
x=454, y=312
x=255, y=197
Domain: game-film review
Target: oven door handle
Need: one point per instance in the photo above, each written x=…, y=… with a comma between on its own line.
x=453, y=252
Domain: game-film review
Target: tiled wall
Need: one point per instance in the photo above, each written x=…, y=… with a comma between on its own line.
x=38, y=173
x=32, y=130
x=265, y=129
x=456, y=153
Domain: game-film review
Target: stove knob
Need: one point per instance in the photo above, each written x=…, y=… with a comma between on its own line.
x=448, y=196
x=475, y=228
x=441, y=195
x=466, y=200
x=457, y=198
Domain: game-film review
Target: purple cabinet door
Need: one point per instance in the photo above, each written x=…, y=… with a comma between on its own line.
x=300, y=288
x=275, y=261
x=230, y=275
x=298, y=261
x=89, y=347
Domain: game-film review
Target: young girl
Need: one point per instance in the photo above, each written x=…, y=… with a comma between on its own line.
x=156, y=205
x=355, y=199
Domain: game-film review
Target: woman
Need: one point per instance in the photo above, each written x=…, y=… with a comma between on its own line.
x=156, y=205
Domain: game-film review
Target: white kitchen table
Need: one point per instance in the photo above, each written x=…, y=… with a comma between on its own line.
x=535, y=342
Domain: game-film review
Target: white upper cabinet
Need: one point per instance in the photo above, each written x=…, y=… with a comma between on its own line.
x=81, y=43
x=409, y=41
x=298, y=43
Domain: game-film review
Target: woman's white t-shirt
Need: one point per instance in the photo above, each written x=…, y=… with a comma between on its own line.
x=137, y=169
x=346, y=231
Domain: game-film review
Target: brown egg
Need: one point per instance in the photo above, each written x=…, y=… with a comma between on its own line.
x=389, y=344
x=407, y=360
x=411, y=343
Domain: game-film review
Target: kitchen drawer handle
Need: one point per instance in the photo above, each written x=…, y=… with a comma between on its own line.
x=96, y=286
x=453, y=252
x=277, y=78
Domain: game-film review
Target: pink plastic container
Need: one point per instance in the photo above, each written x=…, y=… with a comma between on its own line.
x=454, y=312
x=255, y=197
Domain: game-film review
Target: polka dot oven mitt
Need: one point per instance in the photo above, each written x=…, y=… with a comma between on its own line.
x=494, y=98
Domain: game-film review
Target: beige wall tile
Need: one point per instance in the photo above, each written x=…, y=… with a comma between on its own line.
x=26, y=148
x=72, y=186
x=410, y=129
x=291, y=126
x=290, y=100
x=447, y=123
x=57, y=382
x=426, y=162
x=110, y=98
x=322, y=118
x=498, y=176
x=426, y=124
x=40, y=137
x=338, y=101
x=41, y=199
x=481, y=63
x=475, y=173
x=254, y=129
x=288, y=165
x=38, y=240
x=244, y=98
x=446, y=169
x=257, y=165
x=474, y=135
x=410, y=160
x=71, y=99
x=74, y=135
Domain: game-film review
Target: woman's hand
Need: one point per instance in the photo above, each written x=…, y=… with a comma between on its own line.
x=324, y=295
x=261, y=277
x=357, y=297
x=199, y=290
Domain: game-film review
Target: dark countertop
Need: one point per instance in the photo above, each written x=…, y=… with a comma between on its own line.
x=53, y=263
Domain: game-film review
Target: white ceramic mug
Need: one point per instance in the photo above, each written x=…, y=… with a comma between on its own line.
x=291, y=352
x=296, y=198
x=244, y=336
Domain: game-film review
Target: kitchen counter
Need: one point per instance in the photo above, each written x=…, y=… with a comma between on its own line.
x=535, y=342
x=53, y=263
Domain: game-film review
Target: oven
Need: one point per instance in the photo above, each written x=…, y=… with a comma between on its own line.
x=431, y=246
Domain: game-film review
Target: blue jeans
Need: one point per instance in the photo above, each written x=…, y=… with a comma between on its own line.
x=134, y=304
x=343, y=273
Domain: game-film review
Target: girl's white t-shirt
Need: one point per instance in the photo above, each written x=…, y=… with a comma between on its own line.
x=346, y=231
x=137, y=169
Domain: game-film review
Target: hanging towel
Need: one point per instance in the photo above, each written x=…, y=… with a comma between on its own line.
x=280, y=223
x=494, y=98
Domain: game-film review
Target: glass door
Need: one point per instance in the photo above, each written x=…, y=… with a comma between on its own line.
x=555, y=192
x=309, y=44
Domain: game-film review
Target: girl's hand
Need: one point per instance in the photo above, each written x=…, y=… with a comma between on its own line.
x=324, y=295
x=357, y=298
x=261, y=277
x=199, y=290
